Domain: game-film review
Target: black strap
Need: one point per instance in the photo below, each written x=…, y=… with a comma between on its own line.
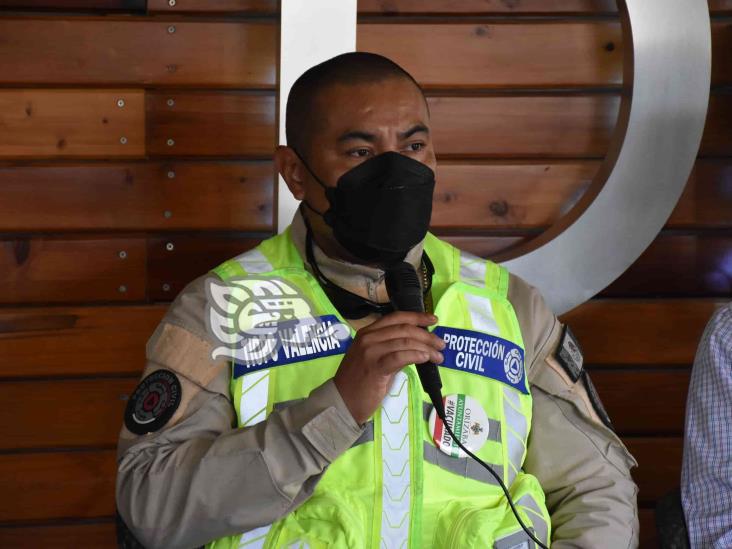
x=350, y=305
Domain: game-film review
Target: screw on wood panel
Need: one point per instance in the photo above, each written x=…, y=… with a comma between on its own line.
x=169, y=246
x=122, y=289
x=171, y=29
x=171, y=3
x=166, y=287
x=168, y=214
x=170, y=142
x=120, y=102
x=171, y=174
x=123, y=140
x=170, y=102
x=123, y=255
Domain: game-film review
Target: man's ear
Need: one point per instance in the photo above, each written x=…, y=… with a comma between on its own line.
x=291, y=169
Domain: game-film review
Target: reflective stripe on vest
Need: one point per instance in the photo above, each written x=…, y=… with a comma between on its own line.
x=465, y=467
x=395, y=446
x=517, y=430
x=529, y=505
x=254, y=262
x=517, y=540
x=472, y=269
x=255, y=387
x=254, y=539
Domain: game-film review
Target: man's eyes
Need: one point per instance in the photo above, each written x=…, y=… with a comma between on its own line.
x=359, y=153
x=363, y=152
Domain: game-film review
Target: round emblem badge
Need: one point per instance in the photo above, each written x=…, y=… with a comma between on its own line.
x=468, y=420
x=153, y=402
x=513, y=366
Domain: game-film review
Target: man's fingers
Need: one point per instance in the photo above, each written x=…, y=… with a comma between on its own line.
x=405, y=344
x=400, y=331
x=403, y=317
x=393, y=362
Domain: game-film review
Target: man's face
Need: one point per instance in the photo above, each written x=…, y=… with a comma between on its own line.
x=358, y=122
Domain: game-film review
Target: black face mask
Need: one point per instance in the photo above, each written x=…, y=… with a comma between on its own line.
x=381, y=208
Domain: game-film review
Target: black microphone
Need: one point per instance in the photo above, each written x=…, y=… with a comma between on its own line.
x=405, y=294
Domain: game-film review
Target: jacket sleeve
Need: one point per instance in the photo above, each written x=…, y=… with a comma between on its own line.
x=580, y=462
x=198, y=478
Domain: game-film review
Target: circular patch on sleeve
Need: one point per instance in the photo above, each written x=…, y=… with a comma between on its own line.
x=153, y=402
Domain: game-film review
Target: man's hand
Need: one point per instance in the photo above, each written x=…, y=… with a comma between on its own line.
x=378, y=352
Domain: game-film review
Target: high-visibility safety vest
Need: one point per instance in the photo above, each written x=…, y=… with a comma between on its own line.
x=394, y=488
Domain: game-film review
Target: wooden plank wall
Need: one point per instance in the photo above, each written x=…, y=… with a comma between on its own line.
x=135, y=154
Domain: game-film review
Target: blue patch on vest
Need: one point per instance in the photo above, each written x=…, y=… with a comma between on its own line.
x=483, y=354
x=294, y=341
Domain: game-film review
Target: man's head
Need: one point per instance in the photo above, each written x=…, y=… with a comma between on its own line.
x=341, y=113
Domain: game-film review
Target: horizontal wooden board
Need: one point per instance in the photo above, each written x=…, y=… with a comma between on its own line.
x=175, y=260
x=641, y=332
x=530, y=126
x=679, y=266
x=511, y=54
x=70, y=123
x=656, y=477
x=523, y=126
x=503, y=7
x=228, y=196
x=507, y=195
x=57, y=485
x=510, y=196
x=486, y=6
x=491, y=195
x=65, y=341
x=210, y=124
x=707, y=200
x=219, y=6
x=138, y=52
x=478, y=55
x=96, y=5
x=477, y=195
x=50, y=270
x=65, y=413
x=100, y=535
x=644, y=402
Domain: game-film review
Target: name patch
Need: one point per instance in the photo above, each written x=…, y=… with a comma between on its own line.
x=293, y=341
x=483, y=354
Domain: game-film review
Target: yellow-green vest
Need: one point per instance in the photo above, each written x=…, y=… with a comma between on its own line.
x=393, y=488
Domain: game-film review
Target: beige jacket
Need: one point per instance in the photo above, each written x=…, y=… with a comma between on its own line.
x=198, y=478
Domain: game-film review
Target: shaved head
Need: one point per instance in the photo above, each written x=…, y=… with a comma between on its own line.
x=304, y=109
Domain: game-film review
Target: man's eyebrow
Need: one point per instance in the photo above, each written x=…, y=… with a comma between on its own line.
x=370, y=137
x=356, y=134
x=414, y=129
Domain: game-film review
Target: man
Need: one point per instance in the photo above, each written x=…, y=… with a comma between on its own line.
x=336, y=444
x=706, y=479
